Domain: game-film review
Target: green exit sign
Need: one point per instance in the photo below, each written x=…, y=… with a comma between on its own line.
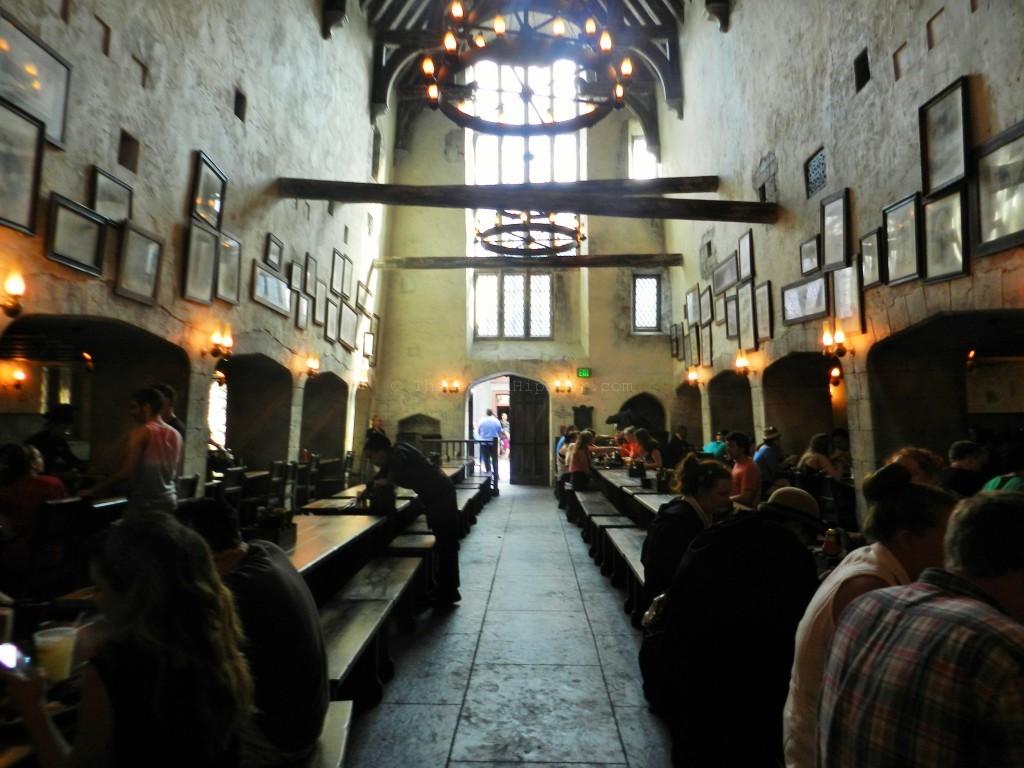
x=583, y=373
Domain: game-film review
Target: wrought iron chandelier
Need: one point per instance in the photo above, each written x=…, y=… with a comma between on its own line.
x=531, y=233
x=526, y=41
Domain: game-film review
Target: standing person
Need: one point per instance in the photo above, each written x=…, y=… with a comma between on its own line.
x=931, y=675
x=771, y=460
x=167, y=414
x=401, y=464
x=678, y=447
x=284, y=643
x=151, y=464
x=376, y=428
x=489, y=430
x=506, y=434
x=906, y=522
x=169, y=687
x=52, y=442
x=746, y=477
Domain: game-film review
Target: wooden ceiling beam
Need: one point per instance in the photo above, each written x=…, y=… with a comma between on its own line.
x=611, y=260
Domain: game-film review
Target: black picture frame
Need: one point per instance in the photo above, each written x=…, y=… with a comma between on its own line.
x=348, y=327
x=141, y=259
x=764, y=318
x=805, y=300
x=997, y=199
x=200, y=263
x=34, y=77
x=273, y=253
x=687, y=355
x=347, y=275
x=848, y=299
x=745, y=255
x=302, y=311
x=725, y=275
x=745, y=308
x=872, y=258
x=111, y=197
x=21, y=167
x=331, y=323
x=694, y=345
x=375, y=334
x=296, y=275
x=363, y=297
x=270, y=289
x=902, y=240
x=673, y=340
x=228, y=285
x=706, y=358
x=320, y=303
x=944, y=235
x=209, y=188
x=945, y=128
x=706, y=306
x=835, y=230
x=75, y=236
x=337, y=272
x=732, y=318
x=720, y=310
x=810, y=255
x=693, y=306
x=310, y=282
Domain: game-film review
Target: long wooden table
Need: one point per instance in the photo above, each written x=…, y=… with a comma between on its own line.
x=323, y=537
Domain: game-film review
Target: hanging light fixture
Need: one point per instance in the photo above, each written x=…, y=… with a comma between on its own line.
x=530, y=233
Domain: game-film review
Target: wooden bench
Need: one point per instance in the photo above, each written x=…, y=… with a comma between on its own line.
x=419, y=545
x=599, y=547
x=627, y=570
x=358, y=656
x=589, y=506
x=387, y=578
x=333, y=741
x=469, y=503
x=419, y=525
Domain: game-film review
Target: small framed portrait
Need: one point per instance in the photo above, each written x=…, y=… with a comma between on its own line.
x=138, y=273
x=331, y=324
x=302, y=312
x=111, y=197
x=673, y=340
x=208, y=191
x=725, y=275
x=337, y=272
x=693, y=306
x=944, y=123
x=363, y=296
x=720, y=310
x=347, y=277
x=685, y=344
x=21, y=166
x=732, y=318
x=200, y=263
x=310, y=281
x=374, y=336
x=847, y=304
x=320, y=303
x=270, y=290
x=745, y=310
x=902, y=255
x=349, y=326
x=296, y=275
x=706, y=358
x=76, y=235
x=805, y=300
x=745, y=257
x=273, y=253
x=835, y=227
x=763, y=311
x=694, y=346
x=706, y=306
x=809, y=258
x=872, y=258
x=229, y=269
x=999, y=207
x=944, y=231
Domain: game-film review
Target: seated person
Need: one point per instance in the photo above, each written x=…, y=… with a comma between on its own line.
x=678, y=447
x=52, y=443
x=817, y=457
x=22, y=491
x=649, y=449
x=717, y=446
x=963, y=475
x=746, y=477
x=283, y=642
x=629, y=446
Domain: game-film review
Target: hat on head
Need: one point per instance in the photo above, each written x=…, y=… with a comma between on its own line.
x=794, y=504
x=770, y=433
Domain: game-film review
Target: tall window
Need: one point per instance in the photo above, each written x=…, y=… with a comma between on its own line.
x=646, y=302
x=513, y=305
x=642, y=163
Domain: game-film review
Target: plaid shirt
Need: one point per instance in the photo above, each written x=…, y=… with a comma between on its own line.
x=930, y=675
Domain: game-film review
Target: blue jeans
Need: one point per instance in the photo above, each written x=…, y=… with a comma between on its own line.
x=489, y=453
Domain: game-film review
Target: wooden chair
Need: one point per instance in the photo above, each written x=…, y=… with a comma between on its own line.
x=289, y=485
x=306, y=481
x=230, y=491
x=187, y=486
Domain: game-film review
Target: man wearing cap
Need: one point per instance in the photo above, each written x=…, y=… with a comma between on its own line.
x=771, y=460
x=717, y=446
x=734, y=606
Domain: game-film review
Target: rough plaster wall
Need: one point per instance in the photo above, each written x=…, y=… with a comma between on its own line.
x=307, y=116
x=781, y=81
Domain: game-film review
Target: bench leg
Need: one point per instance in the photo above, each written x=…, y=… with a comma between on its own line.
x=385, y=664
x=363, y=687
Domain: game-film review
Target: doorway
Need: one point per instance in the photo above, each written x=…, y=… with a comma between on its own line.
x=526, y=404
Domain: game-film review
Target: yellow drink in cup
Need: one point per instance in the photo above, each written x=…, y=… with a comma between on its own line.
x=55, y=648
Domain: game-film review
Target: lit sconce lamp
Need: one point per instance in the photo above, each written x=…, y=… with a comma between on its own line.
x=88, y=361
x=693, y=377
x=312, y=366
x=220, y=378
x=364, y=381
x=452, y=389
x=221, y=344
x=15, y=289
x=834, y=344
x=563, y=387
x=742, y=366
x=971, y=360
x=835, y=376
x=19, y=376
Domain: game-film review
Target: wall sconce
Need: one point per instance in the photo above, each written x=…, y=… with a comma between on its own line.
x=87, y=358
x=453, y=389
x=563, y=387
x=834, y=344
x=221, y=344
x=971, y=362
x=742, y=366
x=14, y=287
x=19, y=376
x=220, y=378
x=835, y=376
x=693, y=377
x=312, y=366
x=364, y=382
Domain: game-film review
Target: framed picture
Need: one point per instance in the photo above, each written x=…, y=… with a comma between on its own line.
x=374, y=336
x=999, y=198
x=944, y=230
x=331, y=324
x=872, y=258
x=337, y=272
x=804, y=300
x=75, y=235
x=138, y=273
x=111, y=197
x=673, y=340
x=296, y=276
x=21, y=166
x=763, y=311
x=685, y=345
x=363, y=298
x=705, y=306
x=902, y=259
x=835, y=228
x=745, y=307
x=720, y=310
x=847, y=306
x=349, y=326
x=368, y=346
x=732, y=318
x=229, y=269
x=200, y=263
x=302, y=312
x=745, y=257
x=273, y=254
x=809, y=260
x=270, y=290
x=208, y=192
x=34, y=77
x=693, y=306
x=346, y=279
x=945, y=138
x=320, y=303
x=705, y=346
x=724, y=275
x=694, y=345
x=310, y=281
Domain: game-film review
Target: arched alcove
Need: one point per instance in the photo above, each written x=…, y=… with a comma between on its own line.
x=412, y=429
x=687, y=412
x=324, y=404
x=644, y=410
x=796, y=399
x=730, y=403
x=259, y=409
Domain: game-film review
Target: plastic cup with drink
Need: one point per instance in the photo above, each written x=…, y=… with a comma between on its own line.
x=55, y=649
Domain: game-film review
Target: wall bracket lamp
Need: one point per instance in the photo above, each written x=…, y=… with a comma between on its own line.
x=452, y=388
x=14, y=289
x=221, y=344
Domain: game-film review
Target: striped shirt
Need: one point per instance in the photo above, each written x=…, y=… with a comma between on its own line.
x=930, y=675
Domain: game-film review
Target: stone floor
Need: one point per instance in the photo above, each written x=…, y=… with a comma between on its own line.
x=536, y=666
